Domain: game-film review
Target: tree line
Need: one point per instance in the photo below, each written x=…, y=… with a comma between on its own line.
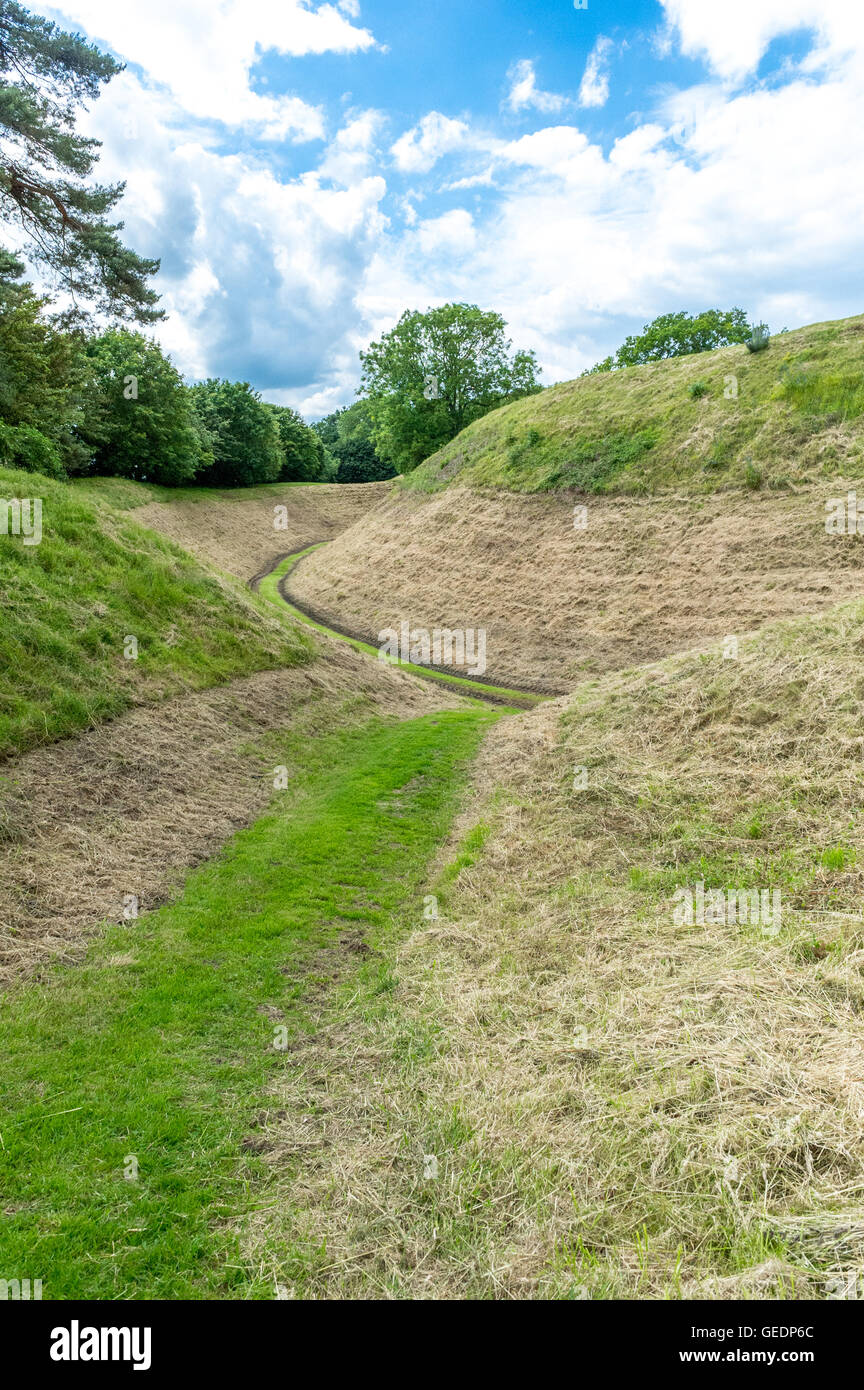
x=79, y=397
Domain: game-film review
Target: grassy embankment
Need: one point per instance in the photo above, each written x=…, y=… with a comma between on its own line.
x=708, y=421
x=97, y=578
x=624, y=1104
x=133, y=1087
x=269, y=589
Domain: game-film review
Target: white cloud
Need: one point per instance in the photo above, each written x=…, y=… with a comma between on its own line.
x=421, y=147
x=732, y=37
x=753, y=199
x=594, y=88
x=524, y=92
x=203, y=52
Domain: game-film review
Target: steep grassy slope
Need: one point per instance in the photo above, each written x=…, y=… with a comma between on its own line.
x=235, y=528
x=615, y=519
x=618, y=1103
x=646, y=577
x=70, y=604
x=790, y=413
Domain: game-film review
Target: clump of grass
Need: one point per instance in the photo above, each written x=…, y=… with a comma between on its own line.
x=697, y=389
x=753, y=476
x=759, y=338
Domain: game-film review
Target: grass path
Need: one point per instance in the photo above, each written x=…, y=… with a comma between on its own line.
x=130, y=1085
x=269, y=586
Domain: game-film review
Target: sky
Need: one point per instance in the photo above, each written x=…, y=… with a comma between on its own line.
x=307, y=172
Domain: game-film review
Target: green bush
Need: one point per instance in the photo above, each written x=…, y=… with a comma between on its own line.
x=759, y=338
x=698, y=389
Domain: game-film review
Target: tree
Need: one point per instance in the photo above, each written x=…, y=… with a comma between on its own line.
x=677, y=335
x=43, y=381
x=304, y=458
x=141, y=424
x=243, y=433
x=347, y=435
x=359, y=463
x=46, y=76
x=434, y=373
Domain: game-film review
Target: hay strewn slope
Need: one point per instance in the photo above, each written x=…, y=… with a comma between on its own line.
x=619, y=1104
x=644, y=579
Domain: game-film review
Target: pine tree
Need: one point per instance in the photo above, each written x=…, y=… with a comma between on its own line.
x=46, y=75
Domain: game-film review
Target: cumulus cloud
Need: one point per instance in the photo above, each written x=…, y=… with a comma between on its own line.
x=204, y=53
x=594, y=88
x=732, y=37
x=524, y=92
x=420, y=148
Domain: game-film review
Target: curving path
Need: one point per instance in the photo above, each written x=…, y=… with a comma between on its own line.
x=272, y=583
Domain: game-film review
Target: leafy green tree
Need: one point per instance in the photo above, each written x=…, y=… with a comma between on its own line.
x=677, y=335
x=46, y=76
x=243, y=434
x=304, y=458
x=348, y=436
x=141, y=422
x=43, y=381
x=359, y=463
x=434, y=373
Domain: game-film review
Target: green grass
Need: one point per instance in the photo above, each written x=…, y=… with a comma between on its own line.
x=158, y=1046
x=97, y=578
x=269, y=589
x=761, y=420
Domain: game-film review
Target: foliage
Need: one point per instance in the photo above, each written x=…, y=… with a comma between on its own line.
x=304, y=456
x=141, y=424
x=243, y=434
x=435, y=373
x=42, y=381
x=698, y=389
x=46, y=77
x=347, y=436
x=677, y=335
x=759, y=338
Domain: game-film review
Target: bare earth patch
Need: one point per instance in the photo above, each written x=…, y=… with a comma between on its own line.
x=646, y=578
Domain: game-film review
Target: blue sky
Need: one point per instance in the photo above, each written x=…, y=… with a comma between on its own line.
x=308, y=171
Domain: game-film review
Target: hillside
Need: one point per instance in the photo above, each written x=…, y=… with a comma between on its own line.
x=716, y=528
x=97, y=579
x=621, y=1104
x=787, y=415
x=233, y=528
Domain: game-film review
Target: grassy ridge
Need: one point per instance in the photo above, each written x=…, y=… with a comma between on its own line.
x=711, y=420
x=161, y=1046
x=70, y=603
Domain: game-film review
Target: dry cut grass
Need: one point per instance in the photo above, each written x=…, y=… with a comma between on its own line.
x=644, y=579
x=568, y=1094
